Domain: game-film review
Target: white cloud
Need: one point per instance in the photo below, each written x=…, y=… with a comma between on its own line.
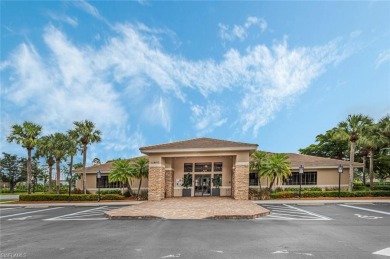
x=157, y=113
x=382, y=58
x=241, y=31
x=83, y=82
x=207, y=118
x=63, y=18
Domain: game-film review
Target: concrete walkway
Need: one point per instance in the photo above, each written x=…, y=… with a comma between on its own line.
x=322, y=201
x=191, y=208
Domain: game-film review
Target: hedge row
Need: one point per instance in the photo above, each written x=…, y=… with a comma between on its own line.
x=282, y=195
x=64, y=197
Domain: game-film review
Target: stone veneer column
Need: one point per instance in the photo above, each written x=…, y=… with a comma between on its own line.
x=240, y=181
x=233, y=182
x=156, y=182
x=169, y=183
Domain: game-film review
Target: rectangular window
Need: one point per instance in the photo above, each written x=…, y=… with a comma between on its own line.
x=308, y=178
x=203, y=167
x=217, y=166
x=188, y=167
x=253, y=179
x=104, y=183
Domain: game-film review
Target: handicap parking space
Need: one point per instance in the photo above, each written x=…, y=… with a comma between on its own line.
x=290, y=212
x=54, y=213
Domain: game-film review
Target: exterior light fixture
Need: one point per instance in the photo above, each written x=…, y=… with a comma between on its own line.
x=301, y=171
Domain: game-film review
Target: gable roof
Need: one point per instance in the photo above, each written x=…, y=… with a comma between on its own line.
x=104, y=168
x=198, y=144
x=317, y=162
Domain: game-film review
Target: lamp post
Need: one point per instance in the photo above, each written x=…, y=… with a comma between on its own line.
x=301, y=170
x=340, y=171
x=98, y=176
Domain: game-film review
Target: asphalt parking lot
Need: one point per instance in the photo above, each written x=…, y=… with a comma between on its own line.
x=291, y=231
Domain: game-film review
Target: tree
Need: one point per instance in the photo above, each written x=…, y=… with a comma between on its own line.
x=256, y=162
x=60, y=147
x=26, y=135
x=71, y=151
x=351, y=129
x=45, y=150
x=372, y=140
x=140, y=168
x=275, y=166
x=121, y=171
x=96, y=161
x=329, y=145
x=85, y=134
x=11, y=170
x=78, y=165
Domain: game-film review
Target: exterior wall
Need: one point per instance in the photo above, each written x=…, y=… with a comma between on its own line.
x=178, y=175
x=156, y=183
x=240, y=186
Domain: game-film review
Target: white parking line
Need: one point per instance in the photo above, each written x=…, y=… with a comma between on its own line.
x=358, y=208
x=6, y=209
x=288, y=212
x=310, y=213
x=29, y=212
x=385, y=252
x=83, y=215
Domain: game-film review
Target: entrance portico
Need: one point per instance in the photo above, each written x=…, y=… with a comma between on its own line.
x=202, y=160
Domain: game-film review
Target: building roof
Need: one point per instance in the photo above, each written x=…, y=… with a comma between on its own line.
x=198, y=144
x=104, y=168
x=317, y=162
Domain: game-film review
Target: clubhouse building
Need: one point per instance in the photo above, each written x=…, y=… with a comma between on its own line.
x=202, y=160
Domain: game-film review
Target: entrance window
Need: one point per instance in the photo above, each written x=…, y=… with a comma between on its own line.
x=104, y=183
x=203, y=167
x=217, y=166
x=188, y=167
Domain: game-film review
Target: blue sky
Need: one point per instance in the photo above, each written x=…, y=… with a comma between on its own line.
x=272, y=73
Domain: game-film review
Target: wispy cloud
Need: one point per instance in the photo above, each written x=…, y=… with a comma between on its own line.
x=76, y=82
x=382, y=58
x=207, y=118
x=241, y=31
x=63, y=18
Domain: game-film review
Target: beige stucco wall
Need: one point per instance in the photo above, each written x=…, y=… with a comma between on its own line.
x=91, y=183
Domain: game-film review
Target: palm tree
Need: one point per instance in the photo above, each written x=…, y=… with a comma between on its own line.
x=257, y=160
x=351, y=129
x=96, y=161
x=121, y=171
x=372, y=139
x=140, y=168
x=71, y=151
x=384, y=127
x=45, y=150
x=276, y=166
x=85, y=134
x=27, y=136
x=60, y=147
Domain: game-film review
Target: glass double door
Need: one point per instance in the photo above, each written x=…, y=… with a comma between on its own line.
x=202, y=185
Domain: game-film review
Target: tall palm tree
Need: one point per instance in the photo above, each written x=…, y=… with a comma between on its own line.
x=276, y=166
x=140, y=168
x=257, y=160
x=351, y=129
x=26, y=135
x=71, y=152
x=60, y=147
x=372, y=139
x=45, y=150
x=384, y=128
x=85, y=134
x=122, y=172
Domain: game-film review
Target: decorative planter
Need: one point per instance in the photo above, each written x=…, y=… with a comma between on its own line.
x=216, y=192
x=186, y=192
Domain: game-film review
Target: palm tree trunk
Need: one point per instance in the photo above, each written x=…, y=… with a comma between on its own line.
x=58, y=173
x=364, y=170
x=50, y=176
x=272, y=183
x=70, y=173
x=139, y=186
x=371, y=168
x=351, y=160
x=85, y=169
x=29, y=171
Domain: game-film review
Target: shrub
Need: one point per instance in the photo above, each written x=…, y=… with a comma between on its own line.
x=64, y=197
x=257, y=194
x=127, y=193
x=143, y=196
x=116, y=191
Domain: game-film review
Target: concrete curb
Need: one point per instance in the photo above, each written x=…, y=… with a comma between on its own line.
x=320, y=202
x=70, y=204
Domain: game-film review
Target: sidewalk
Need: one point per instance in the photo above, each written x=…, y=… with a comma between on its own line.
x=68, y=204
x=320, y=202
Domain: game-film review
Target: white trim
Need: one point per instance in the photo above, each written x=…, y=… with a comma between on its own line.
x=183, y=150
x=242, y=163
x=155, y=165
x=321, y=167
x=169, y=169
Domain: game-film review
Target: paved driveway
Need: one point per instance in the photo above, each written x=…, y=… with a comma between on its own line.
x=9, y=197
x=325, y=231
